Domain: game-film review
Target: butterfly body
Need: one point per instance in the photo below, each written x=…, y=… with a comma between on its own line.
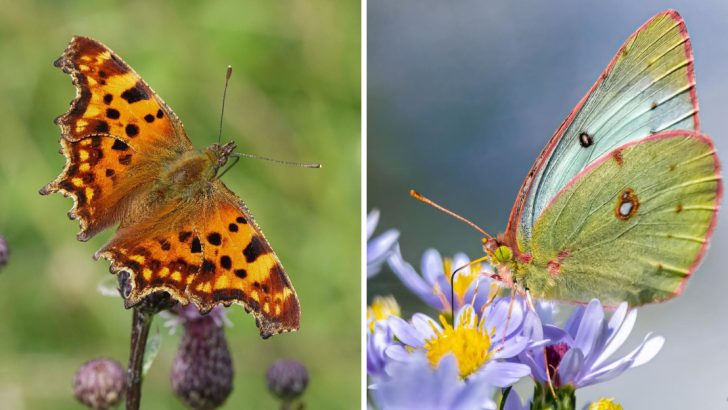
x=193, y=172
x=181, y=230
x=622, y=202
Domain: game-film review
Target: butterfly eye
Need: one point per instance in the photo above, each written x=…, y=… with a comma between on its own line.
x=585, y=139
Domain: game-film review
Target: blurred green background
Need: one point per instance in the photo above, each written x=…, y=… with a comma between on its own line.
x=294, y=95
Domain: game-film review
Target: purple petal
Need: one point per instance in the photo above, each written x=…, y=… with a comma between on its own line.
x=405, y=332
x=372, y=221
x=557, y=335
x=459, y=260
x=381, y=245
x=649, y=351
x=397, y=352
x=570, y=365
x=572, y=323
x=424, y=324
x=503, y=374
x=534, y=359
x=415, y=384
x=589, y=328
x=619, y=337
x=432, y=267
x=414, y=282
x=643, y=353
x=510, y=348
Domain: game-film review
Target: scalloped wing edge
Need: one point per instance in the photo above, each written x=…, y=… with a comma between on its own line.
x=54, y=186
x=266, y=327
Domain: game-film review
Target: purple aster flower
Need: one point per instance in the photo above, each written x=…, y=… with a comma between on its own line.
x=416, y=385
x=378, y=341
x=380, y=247
x=578, y=355
x=433, y=285
x=480, y=345
x=379, y=335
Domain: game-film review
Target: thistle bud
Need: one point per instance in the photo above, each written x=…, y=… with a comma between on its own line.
x=202, y=371
x=4, y=251
x=99, y=384
x=287, y=379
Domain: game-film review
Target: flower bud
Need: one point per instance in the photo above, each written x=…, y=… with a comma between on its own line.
x=287, y=379
x=99, y=384
x=4, y=251
x=202, y=371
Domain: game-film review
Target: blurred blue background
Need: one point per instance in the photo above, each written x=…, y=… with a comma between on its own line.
x=463, y=95
x=294, y=95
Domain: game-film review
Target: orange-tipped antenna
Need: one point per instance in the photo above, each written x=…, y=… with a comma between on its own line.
x=228, y=74
x=428, y=201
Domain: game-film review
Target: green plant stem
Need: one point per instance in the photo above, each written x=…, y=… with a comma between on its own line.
x=140, y=324
x=543, y=399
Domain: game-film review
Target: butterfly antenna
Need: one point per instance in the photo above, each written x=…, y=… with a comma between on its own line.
x=430, y=202
x=277, y=161
x=224, y=94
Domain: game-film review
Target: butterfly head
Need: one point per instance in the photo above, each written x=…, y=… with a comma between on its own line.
x=219, y=155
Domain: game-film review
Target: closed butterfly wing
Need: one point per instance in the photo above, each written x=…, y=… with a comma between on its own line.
x=632, y=226
x=647, y=88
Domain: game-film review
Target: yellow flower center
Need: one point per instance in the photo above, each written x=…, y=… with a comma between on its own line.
x=381, y=308
x=469, y=344
x=605, y=404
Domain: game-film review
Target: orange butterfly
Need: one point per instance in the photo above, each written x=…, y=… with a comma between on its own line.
x=182, y=231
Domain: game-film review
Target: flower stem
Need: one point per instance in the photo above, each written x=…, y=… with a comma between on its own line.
x=565, y=398
x=140, y=324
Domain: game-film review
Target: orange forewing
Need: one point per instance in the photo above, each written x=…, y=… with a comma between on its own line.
x=113, y=100
x=119, y=137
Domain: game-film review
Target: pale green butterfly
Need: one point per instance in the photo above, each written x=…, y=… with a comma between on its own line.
x=621, y=203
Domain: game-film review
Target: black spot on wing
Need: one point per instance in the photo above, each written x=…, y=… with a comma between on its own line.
x=585, y=139
x=119, y=145
x=226, y=262
x=255, y=248
x=102, y=127
x=135, y=93
x=196, y=245
x=214, y=239
x=113, y=113
x=132, y=130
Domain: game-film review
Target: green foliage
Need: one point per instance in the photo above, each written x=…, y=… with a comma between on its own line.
x=294, y=95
